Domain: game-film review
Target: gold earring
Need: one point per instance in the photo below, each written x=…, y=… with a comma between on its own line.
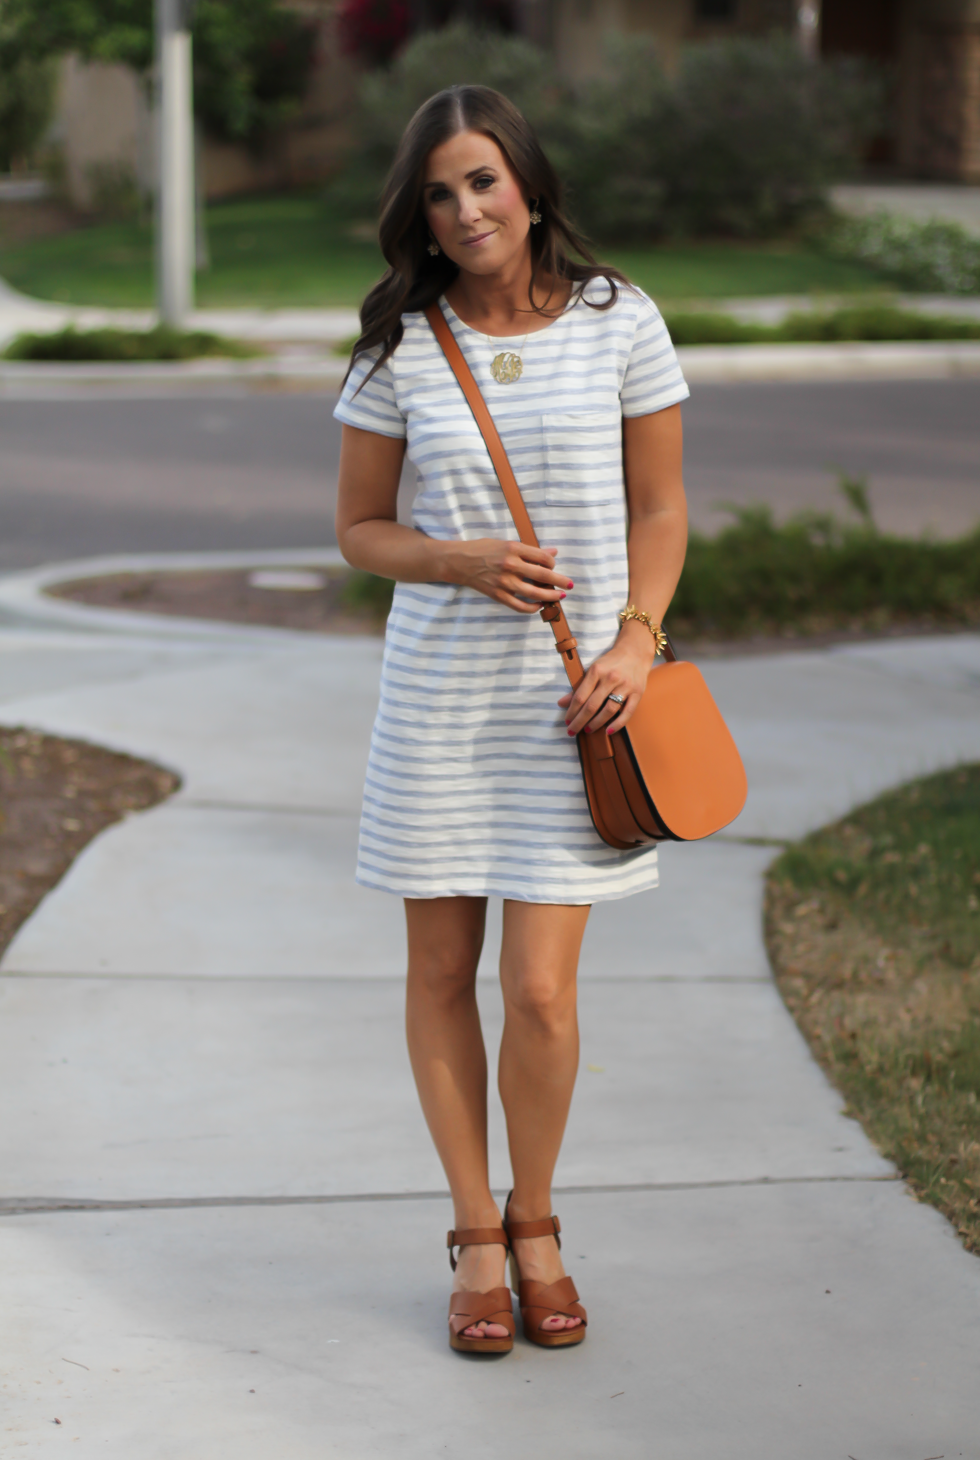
x=433, y=248
x=535, y=215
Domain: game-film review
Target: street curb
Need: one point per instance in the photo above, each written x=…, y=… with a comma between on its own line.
x=29, y=381
x=901, y=360
x=23, y=594
x=701, y=364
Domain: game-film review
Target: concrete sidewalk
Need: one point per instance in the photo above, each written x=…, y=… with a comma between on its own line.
x=223, y=1218
x=21, y=313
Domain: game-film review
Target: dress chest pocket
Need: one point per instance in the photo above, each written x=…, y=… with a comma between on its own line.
x=583, y=453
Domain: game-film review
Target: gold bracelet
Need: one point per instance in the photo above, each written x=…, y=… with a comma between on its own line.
x=631, y=611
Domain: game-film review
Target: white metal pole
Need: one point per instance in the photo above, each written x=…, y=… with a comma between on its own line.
x=175, y=210
x=808, y=28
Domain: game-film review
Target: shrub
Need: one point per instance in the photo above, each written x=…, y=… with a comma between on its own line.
x=926, y=256
x=27, y=89
x=610, y=142
x=366, y=592
x=869, y=322
x=760, y=132
x=252, y=65
x=744, y=140
x=389, y=97
x=161, y=343
x=114, y=190
x=441, y=58
x=815, y=573
x=812, y=574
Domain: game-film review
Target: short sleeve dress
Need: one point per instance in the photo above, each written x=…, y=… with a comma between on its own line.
x=473, y=785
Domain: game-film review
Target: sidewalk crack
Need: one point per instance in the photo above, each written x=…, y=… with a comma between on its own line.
x=27, y=1205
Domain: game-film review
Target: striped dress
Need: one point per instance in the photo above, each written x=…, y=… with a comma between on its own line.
x=473, y=784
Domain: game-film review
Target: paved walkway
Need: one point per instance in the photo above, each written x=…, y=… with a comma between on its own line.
x=20, y=312
x=223, y=1219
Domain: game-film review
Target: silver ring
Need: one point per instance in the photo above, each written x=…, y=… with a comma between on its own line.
x=619, y=699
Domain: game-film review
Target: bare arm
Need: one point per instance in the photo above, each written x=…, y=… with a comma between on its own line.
x=652, y=460
x=371, y=537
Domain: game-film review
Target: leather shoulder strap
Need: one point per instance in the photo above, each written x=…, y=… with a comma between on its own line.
x=552, y=612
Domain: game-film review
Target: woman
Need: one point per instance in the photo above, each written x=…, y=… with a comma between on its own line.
x=473, y=784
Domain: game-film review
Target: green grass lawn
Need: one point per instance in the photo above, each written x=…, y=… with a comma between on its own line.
x=273, y=252
x=289, y=250
x=732, y=270
x=873, y=927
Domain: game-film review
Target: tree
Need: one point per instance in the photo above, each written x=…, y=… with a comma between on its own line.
x=26, y=91
x=252, y=58
x=252, y=63
x=99, y=30
x=26, y=106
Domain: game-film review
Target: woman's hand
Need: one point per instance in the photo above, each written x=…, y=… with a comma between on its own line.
x=622, y=671
x=508, y=572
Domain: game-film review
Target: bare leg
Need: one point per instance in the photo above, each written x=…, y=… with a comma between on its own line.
x=449, y=1061
x=538, y=1064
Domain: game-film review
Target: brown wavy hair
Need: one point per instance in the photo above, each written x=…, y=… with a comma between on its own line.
x=414, y=278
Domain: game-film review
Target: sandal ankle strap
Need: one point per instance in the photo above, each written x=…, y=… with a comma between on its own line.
x=475, y=1237
x=543, y=1227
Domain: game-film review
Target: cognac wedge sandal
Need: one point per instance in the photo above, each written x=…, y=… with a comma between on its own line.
x=541, y=1301
x=466, y=1309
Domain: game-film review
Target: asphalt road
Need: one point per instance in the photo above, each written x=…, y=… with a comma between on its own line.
x=81, y=477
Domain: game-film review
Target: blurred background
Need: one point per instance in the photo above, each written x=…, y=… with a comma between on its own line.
x=766, y=169
x=697, y=119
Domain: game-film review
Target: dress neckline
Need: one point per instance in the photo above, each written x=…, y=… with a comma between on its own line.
x=448, y=310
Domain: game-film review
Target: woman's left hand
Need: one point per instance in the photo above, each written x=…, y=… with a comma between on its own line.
x=624, y=670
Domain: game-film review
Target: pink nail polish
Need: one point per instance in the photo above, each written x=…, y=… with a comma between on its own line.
x=561, y=595
x=571, y=732
x=571, y=585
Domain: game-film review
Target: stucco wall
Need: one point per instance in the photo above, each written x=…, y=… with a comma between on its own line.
x=102, y=126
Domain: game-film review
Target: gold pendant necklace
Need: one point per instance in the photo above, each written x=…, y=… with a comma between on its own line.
x=508, y=365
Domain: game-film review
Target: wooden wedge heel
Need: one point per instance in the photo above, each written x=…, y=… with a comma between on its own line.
x=467, y=1309
x=541, y=1301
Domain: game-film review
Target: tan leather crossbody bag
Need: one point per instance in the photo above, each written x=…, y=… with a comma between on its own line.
x=674, y=773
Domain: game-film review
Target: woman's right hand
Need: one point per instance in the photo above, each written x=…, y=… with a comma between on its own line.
x=520, y=577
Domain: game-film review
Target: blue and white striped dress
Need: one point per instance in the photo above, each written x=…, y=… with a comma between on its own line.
x=473, y=785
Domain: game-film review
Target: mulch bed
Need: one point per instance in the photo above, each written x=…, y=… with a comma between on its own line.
x=228, y=596
x=55, y=796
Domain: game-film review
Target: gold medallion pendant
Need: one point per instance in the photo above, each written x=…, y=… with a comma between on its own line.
x=506, y=368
